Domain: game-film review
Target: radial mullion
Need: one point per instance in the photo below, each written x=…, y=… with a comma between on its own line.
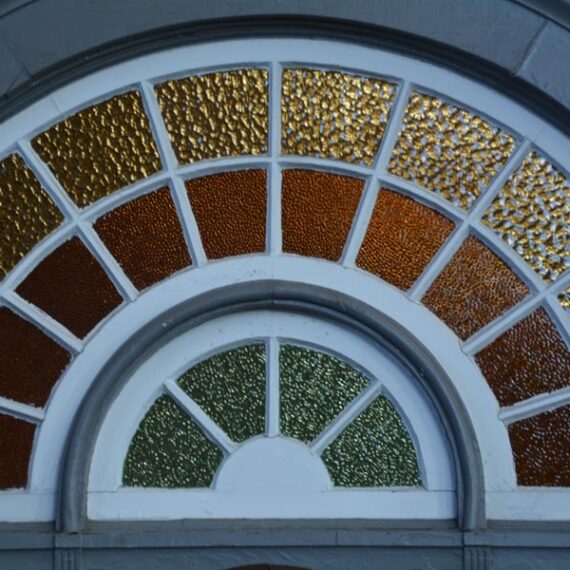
x=49, y=182
x=548, y=295
x=273, y=231
x=43, y=321
x=22, y=411
x=106, y=259
x=368, y=199
x=199, y=416
x=72, y=212
x=170, y=163
x=272, y=419
x=355, y=408
x=189, y=224
x=158, y=128
x=470, y=223
x=534, y=406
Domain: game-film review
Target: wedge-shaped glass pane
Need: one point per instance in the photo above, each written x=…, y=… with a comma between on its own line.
x=230, y=388
x=375, y=450
x=315, y=388
x=170, y=450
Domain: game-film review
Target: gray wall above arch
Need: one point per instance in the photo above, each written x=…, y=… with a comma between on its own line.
x=524, y=44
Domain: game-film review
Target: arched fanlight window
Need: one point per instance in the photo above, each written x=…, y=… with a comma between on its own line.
x=270, y=414
x=421, y=197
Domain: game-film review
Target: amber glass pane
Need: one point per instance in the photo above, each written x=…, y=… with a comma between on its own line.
x=30, y=362
x=527, y=360
x=402, y=237
x=318, y=209
x=16, y=438
x=27, y=214
x=230, y=209
x=71, y=286
x=145, y=237
x=541, y=446
x=101, y=148
x=475, y=288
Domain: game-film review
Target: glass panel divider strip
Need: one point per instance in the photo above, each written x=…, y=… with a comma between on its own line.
x=358, y=405
x=199, y=416
x=22, y=411
x=43, y=321
x=170, y=164
x=272, y=400
x=72, y=212
x=465, y=227
x=368, y=200
x=534, y=406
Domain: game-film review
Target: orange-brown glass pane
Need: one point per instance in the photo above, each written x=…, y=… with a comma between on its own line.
x=529, y=359
x=16, y=439
x=230, y=209
x=475, y=288
x=318, y=209
x=402, y=237
x=146, y=238
x=71, y=286
x=30, y=361
x=541, y=446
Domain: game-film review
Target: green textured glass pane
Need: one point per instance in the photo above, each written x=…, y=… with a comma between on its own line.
x=375, y=450
x=315, y=388
x=170, y=450
x=230, y=388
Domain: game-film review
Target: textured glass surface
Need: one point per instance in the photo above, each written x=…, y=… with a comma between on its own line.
x=30, y=361
x=317, y=212
x=215, y=115
x=402, y=237
x=541, y=446
x=230, y=210
x=100, y=149
x=16, y=440
x=146, y=238
x=170, y=450
x=314, y=388
x=334, y=115
x=27, y=213
x=529, y=359
x=448, y=150
x=531, y=214
x=375, y=450
x=564, y=299
x=71, y=286
x=473, y=289
x=230, y=388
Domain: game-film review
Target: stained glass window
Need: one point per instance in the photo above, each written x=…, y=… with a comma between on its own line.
x=171, y=449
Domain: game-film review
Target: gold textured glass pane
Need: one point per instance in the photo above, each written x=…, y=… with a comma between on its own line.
x=230, y=388
x=314, y=388
x=27, y=214
x=334, y=115
x=215, y=115
x=448, y=150
x=170, y=450
x=564, y=299
x=100, y=149
x=375, y=450
x=532, y=213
